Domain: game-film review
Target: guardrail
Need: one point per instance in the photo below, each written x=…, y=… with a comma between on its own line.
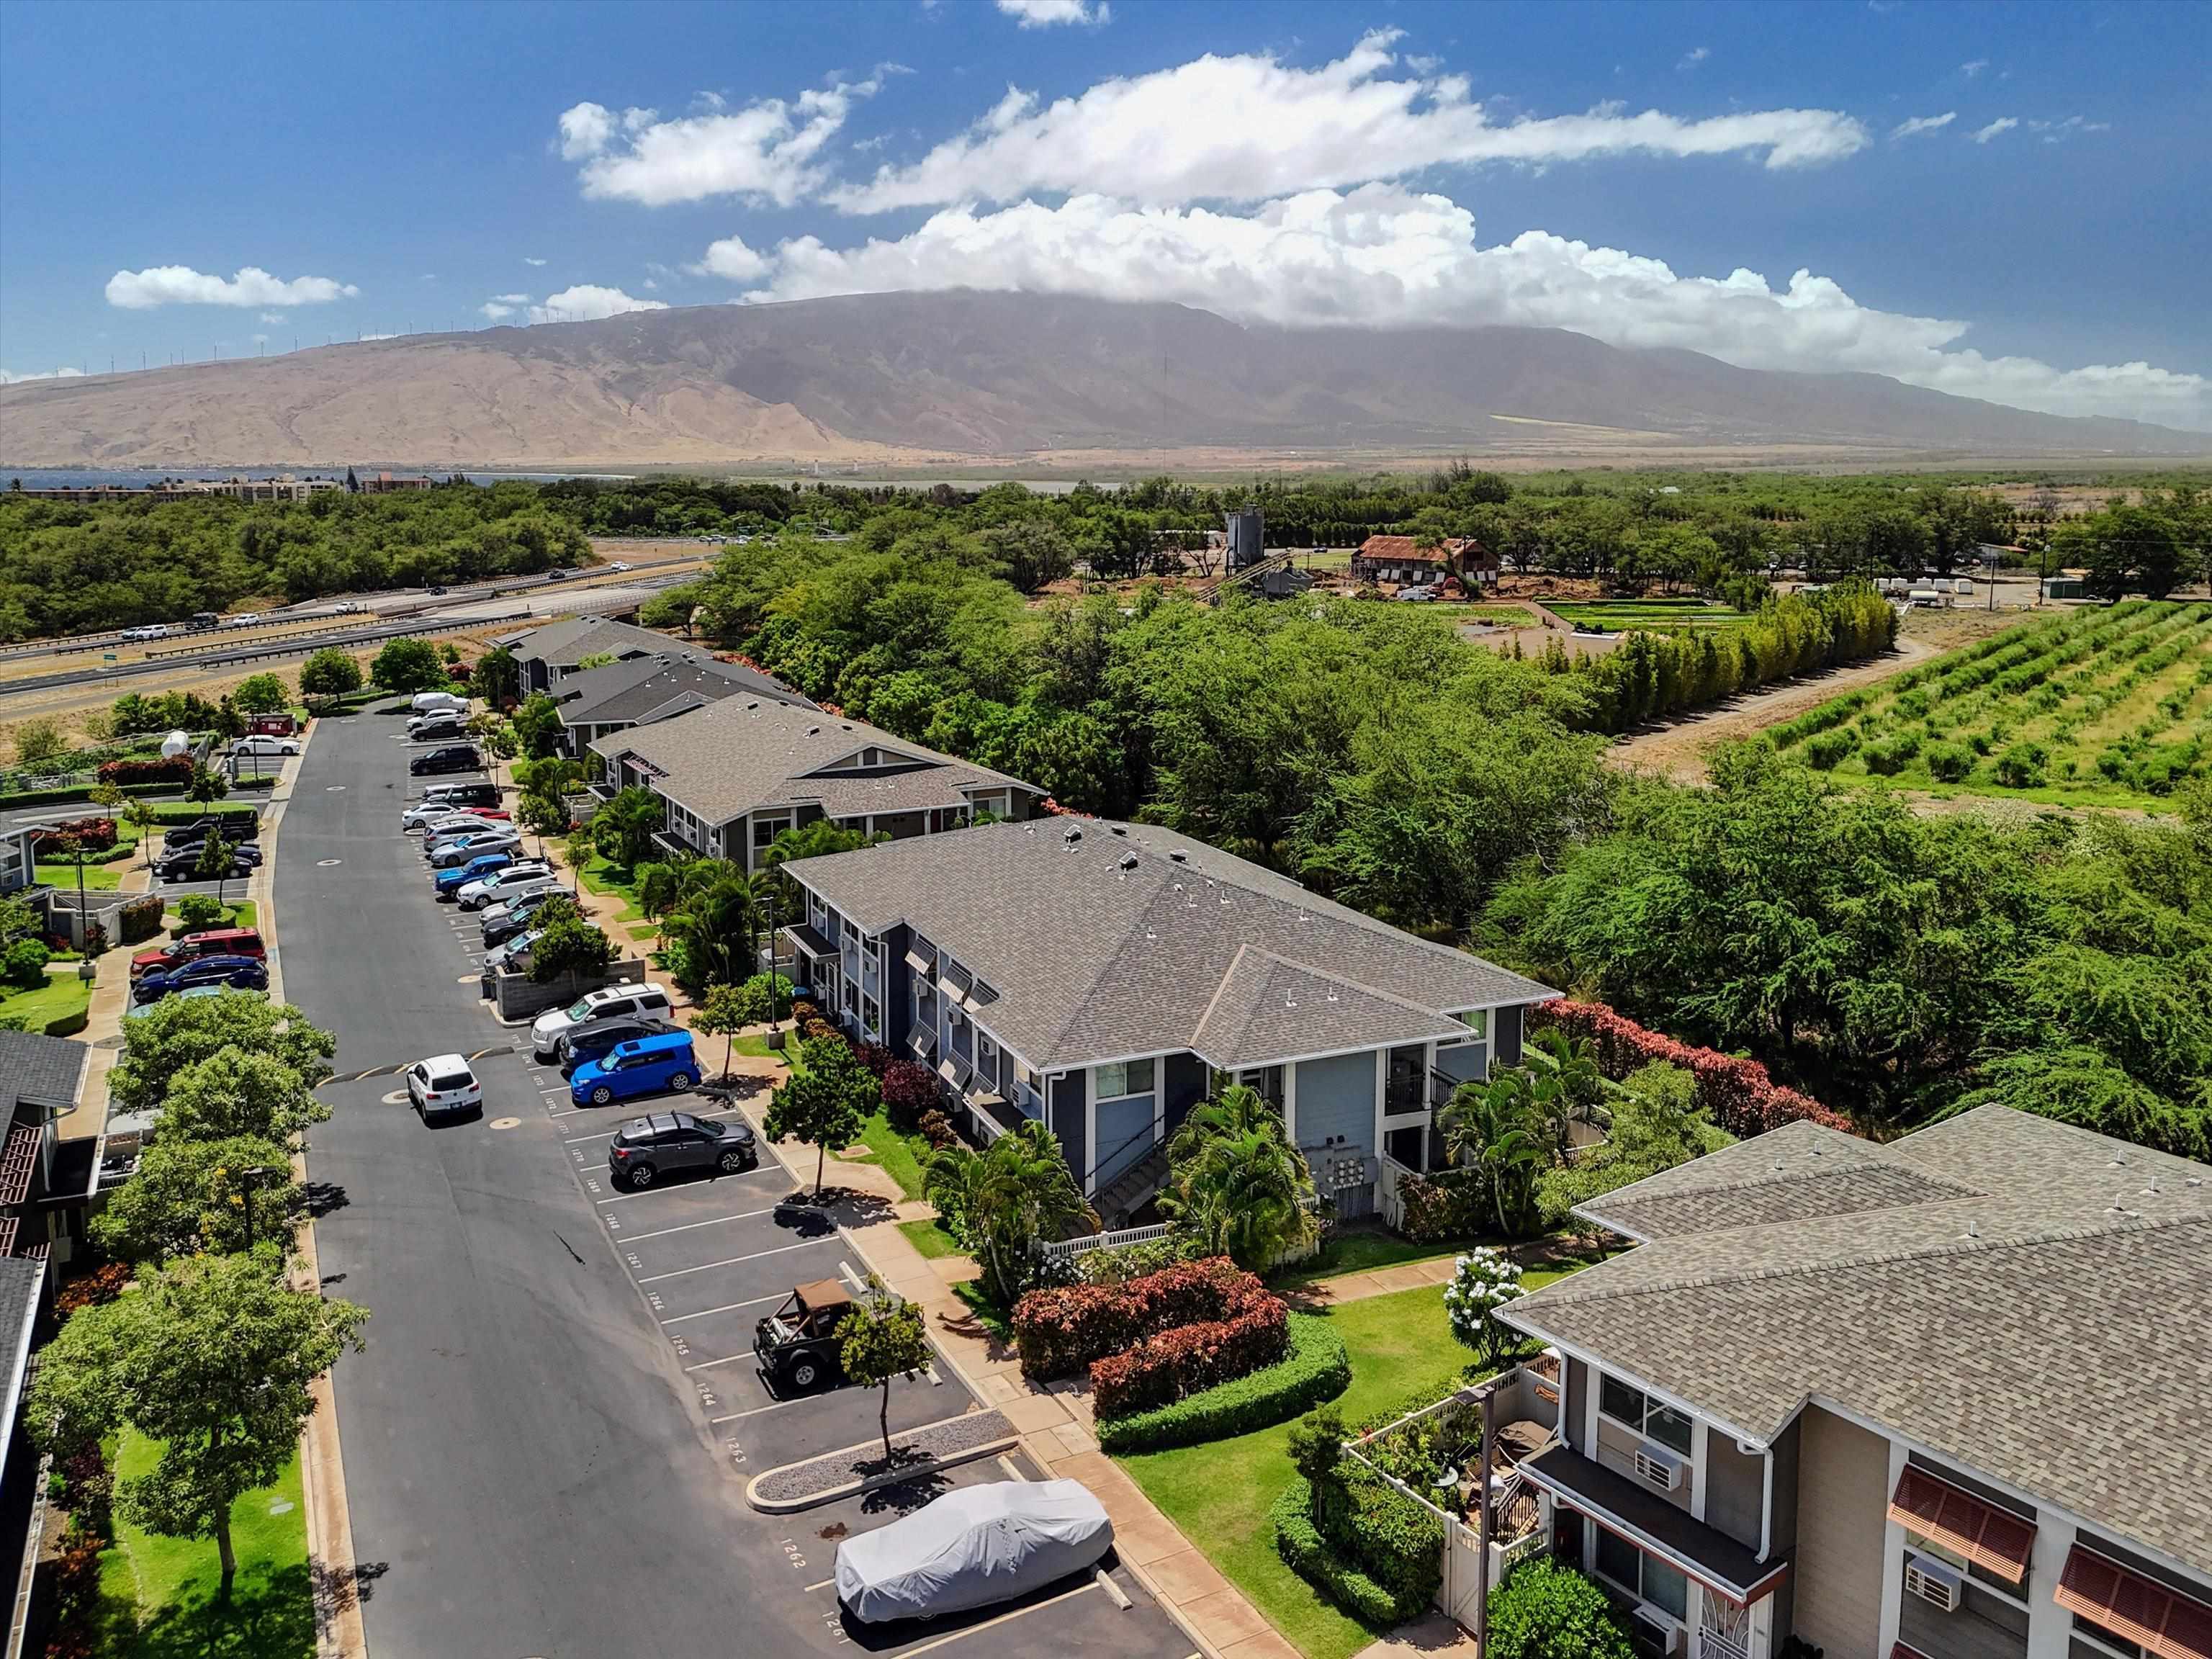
x=1060, y=1248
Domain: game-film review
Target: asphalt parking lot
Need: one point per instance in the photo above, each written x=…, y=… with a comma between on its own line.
x=548, y=1439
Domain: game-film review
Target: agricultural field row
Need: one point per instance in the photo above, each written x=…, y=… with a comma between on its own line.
x=1660, y=615
x=2094, y=707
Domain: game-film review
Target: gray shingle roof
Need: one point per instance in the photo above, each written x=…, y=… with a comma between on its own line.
x=635, y=689
x=2021, y=1296
x=21, y=1279
x=569, y=640
x=1135, y=940
x=38, y=1070
x=745, y=752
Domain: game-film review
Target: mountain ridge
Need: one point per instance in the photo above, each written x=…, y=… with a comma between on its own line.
x=963, y=376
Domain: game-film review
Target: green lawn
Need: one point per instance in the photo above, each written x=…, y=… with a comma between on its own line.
x=1219, y=1494
x=97, y=878
x=1354, y=1253
x=901, y=1154
x=243, y=914
x=930, y=1238
x=991, y=1317
x=605, y=879
x=158, y=1594
x=64, y=997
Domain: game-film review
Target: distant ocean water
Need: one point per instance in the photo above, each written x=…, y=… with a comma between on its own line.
x=137, y=477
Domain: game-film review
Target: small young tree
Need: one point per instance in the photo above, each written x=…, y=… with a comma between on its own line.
x=825, y=1101
x=329, y=673
x=1317, y=1444
x=1483, y=1281
x=211, y=1361
x=208, y=784
x=39, y=741
x=883, y=1338
x=193, y=1195
x=261, y=693
x=198, y=912
x=139, y=815
x=213, y=863
x=724, y=1014
x=567, y=943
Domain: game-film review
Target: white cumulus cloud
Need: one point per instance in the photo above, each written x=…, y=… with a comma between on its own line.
x=731, y=260
x=500, y=306
x=768, y=151
x=1920, y=123
x=2003, y=124
x=1382, y=256
x=1043, y=13
x=585, y=302
x=1250, y=127
x=180, y=285
x=1695, y=56
x=10, y=378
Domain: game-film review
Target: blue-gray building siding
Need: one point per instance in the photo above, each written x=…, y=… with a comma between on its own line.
x=1187, y=1077
x=1068, y=1120
x=1505, y=1028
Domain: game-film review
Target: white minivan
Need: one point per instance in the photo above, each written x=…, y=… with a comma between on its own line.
x=605, y=1003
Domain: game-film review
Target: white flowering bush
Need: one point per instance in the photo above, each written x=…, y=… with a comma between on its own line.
x=1485, y=1280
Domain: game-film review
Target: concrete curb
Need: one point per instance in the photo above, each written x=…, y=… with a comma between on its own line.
x=897, y=1477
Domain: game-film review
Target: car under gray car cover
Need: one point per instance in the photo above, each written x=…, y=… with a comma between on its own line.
x=973, y=1547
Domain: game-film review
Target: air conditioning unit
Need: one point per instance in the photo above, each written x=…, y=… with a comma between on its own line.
x=1660, y=1634
x=1933, y=1581
x=1658, y=1467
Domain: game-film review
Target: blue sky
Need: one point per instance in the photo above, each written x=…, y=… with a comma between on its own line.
x=2002, y=201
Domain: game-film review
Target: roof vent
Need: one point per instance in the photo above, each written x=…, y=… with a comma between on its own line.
x=813, y=730
x=1129, y=861
x=1180, y=856
x=1072, y=834
x=1118, y=830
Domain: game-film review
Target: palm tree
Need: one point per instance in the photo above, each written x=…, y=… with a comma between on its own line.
x=1236, y=1181
x=1004, y=1199
x=1494, y=1127
x=716, y=917
x=1567, y=1086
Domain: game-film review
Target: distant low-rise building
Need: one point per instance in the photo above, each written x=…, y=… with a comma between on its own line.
x=598, y=702
x=1401, y=559
x=550, y=653
x=386, y=484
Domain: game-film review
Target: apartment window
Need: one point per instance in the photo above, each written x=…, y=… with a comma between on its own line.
x=1266, y=1082
x=1028, y=1078
x=1646, y=1579
x=986, y=1053
x=1127, y=1076
x=767, y=826
x=1639, y=1411
x=1477, y=1021
x=871, y=1015
x=1959, y=1565
x=872, y=948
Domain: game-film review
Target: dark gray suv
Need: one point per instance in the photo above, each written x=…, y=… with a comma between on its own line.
x=647, y=1148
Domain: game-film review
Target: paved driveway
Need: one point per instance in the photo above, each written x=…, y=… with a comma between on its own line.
x=547, y=1441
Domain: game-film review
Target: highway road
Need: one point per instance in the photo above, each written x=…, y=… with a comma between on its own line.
x=547, y=1441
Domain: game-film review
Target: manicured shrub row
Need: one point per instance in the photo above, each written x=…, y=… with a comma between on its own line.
x=1546, y=1610
x=1307, y=1554
x=1189, y=1359
x=1447, y=1204
x=1062, y=1330
x=174, y=770
x=94, y=835
x=141, y=919
x=1314, y=1369
x=1736, y=1094
x=1373, y=1551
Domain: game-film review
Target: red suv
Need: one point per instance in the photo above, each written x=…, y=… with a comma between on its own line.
x=219, y=942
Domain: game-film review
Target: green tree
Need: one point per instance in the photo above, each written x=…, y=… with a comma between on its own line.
x=716, y=923
x=191, y=1196
x=537, y=726
x=213, y=863
x=262, y=694
x=497, y=678
x=1568, y=1086
x=1002, y=1200
x=1655, y=1120
x=208, y=784
x=1493, y=1126
x=568, y=943
x=1483, y=1281
x=330, y=672
x=139, y=814
x=233, y=1093
x=825, y=1100
x=211, y=1359
x=624, y=825
x=38, y=742
x=407, y=665
x=1030, y=553
x=255, y=1041
x=1317, y=1443
x=1546, y=1610
x=724, y=1012
x=881, y=1339
x=198, y=912
x=1236, y=1182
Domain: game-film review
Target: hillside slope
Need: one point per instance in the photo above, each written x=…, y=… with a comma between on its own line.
x=922, y=377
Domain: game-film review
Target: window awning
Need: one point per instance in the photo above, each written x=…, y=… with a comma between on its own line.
x=1631, y=1510
x=2164, y=1623
x=1993, y=1538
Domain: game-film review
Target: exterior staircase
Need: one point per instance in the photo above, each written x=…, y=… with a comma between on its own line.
x=1128, y=1191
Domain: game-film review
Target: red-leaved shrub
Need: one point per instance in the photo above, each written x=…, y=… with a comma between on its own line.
x=1062, y=1329
x=178, y=769
x=93, y=835
x=1736, y=1094
x=1163, y=1368
x=910, y=1090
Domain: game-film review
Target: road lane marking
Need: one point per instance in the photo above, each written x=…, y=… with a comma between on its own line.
x=726, y=1261
x=728, y=1307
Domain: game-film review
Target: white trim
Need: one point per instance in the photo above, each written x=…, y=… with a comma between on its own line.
x=1893, y=1554
x=22, y=1355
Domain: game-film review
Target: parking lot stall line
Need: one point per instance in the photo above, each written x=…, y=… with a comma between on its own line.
x=690, y=1226
x=727, y=1261
x=728, y=1307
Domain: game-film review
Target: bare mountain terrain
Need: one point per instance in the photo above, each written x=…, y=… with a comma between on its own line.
x=918, y=379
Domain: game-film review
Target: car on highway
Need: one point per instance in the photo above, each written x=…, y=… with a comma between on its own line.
x=646, y=1148
x=502, y=922
x=602, y=1036
x=608, y=1002
x=502, y=886
x=453, y=757
x=150, y=631
x=245, y=619
x=797, y=1345
x=619, y=566
x=459, y=849
x=263, y=745
x=443, y=1086
x=184, y=865
x=446, y=882
x=438, y=588
x=250, y=973
x=662, y=1064
x=215, y=942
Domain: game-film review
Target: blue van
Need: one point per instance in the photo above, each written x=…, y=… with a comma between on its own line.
x=649, y=1065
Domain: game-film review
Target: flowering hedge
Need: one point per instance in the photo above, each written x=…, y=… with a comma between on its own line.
x=1062, y=1330
x=177, y=769
x=1736, y=1094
